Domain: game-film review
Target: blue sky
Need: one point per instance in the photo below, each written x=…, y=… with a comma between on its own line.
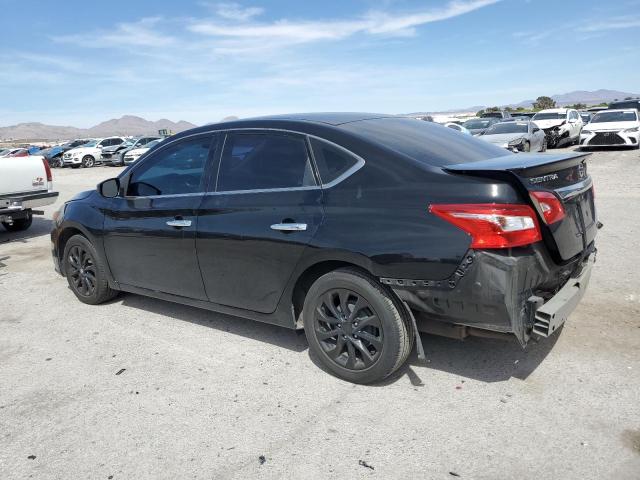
x=78, y=63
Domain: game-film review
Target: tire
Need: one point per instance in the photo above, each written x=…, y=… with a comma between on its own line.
x=527, y=147
x=19, y=225
x=375, y=322
x=88, y=161
x=86, y=272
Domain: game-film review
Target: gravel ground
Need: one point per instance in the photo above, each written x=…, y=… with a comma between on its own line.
x=141, y=388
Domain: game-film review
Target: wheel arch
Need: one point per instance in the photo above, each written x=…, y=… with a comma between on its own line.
x=308, y=276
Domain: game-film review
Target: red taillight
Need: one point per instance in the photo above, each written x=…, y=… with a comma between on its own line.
x=549, y=206
x=47, y=169
x=493, y=225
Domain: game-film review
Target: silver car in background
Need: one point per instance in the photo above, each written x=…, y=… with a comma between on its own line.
x=516, y=136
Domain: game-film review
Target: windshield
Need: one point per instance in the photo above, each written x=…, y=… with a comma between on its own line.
x=92, y=143
x=153, y=144
x=476, y=124
x=550, y=116
x=510, y=127
x=604, y=117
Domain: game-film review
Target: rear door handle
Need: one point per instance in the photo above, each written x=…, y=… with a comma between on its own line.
x=179, y=223
x=289, y=227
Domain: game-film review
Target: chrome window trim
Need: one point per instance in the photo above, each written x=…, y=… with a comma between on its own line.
x=360, y=162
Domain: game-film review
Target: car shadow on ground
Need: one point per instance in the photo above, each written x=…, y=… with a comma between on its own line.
x=40, y=226
x=262, y=332
x=483, y=359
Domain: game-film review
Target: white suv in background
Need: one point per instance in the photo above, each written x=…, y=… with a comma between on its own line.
x=612, y=128
x=562, y=126
x=88, y=154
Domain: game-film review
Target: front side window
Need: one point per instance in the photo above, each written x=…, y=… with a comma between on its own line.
x=332, y=161
x=256, y=161
x=175, y=170
x=116, y=141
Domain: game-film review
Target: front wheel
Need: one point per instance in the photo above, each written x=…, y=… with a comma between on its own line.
x=356, y=327
x=527, y=147
x=86, y=272
x=19, y=225
x=544, y=145
x=88, y=161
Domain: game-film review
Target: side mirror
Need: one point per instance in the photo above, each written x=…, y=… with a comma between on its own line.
x=109, y=188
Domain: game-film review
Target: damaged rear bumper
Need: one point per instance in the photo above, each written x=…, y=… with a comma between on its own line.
x=520, y=292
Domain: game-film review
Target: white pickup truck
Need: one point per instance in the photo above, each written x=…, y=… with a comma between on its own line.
x=25, y=184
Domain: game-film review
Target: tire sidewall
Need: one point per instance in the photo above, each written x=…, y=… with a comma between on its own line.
x=102, y=291
x=382, y=304
x=88, y=159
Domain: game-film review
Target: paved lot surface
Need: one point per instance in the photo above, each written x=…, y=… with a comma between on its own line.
x=204, y=395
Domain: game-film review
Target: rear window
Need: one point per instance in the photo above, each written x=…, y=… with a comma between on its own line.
x=628, y=104
x=332, y=161
x=424, y=141
x=510, y=127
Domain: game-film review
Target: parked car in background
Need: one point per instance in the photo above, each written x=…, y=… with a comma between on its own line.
x=612, y=128
x=3, y=151
x=25, y=184
x=89, y=154
x=586, y=117
x=562, y=126
x=53, y=156
x=596, y=109
x=75, y=143
x=500, y=115
x=467, y=236
x=516, y=136
x=133, y=155
x=18, y=152
x=458, y=127
x=114, y=155
x=477, y=126
x=625, y=104
x=523, y=115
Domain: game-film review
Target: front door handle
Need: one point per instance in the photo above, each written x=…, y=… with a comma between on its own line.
x=179, y=223
x=289, y=227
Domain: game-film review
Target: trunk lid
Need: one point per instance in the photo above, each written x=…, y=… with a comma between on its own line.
x=563, y=174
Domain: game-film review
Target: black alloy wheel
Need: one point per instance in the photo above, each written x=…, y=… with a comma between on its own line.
x=356, y=327
x=86, y=272
x=81, y=270
x=348, y=329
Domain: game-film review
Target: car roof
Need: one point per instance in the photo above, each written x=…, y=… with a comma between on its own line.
x=554, y=110
x=329, y=118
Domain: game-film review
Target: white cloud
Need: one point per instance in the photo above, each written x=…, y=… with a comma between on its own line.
x=137, y=34
x=616, y=23
x=304, y=31
x=235, y=11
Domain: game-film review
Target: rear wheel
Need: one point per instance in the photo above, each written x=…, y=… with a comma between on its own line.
x=356, y=327
x=19, y=225
x=86, y=272
x=88, y=161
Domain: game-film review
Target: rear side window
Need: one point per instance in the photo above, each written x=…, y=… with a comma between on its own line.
x=331, y=160
x=177, y=169
x=263, y=162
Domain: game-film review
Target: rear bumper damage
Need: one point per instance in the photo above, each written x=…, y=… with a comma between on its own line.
x=521, y=292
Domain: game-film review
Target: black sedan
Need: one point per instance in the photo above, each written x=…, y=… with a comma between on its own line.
x=362, y=229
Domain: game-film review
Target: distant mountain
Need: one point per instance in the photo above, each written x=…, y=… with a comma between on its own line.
x=127, y=125
x=583, y=96
x=571, y=98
